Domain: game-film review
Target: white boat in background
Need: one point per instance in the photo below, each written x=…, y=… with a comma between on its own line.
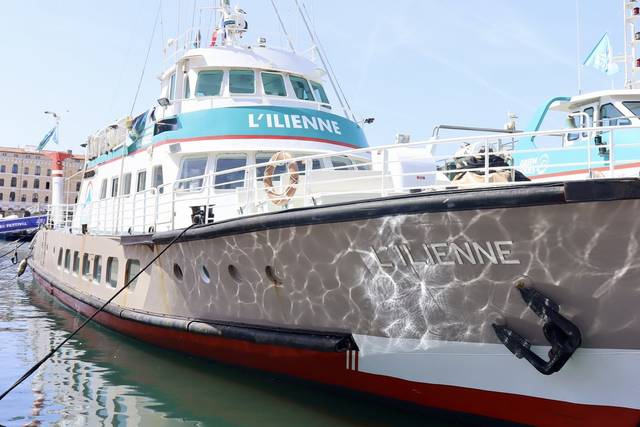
x=369, y=268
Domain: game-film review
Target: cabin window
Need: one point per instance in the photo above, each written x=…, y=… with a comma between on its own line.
x=67, y=259
x=112, y=271
x=172, y=86
x=301, y=88
x=611, y=116
x=97, y=268
x=242, y=81
x=319, y=92
x=86, y=272
x=114, y=186
x=231, y=180
x=273, y=84
x=341, y=163
x=142, y=181
x=76, y=262
x=126, y=183
x=60, y=257
x=132, y=268
x=209, y=83
x=192, y=168
x=103, y=189
x=282, y=168
x=157, y=177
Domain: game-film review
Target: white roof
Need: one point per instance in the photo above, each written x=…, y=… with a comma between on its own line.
x=254, y=57
x=587, y=98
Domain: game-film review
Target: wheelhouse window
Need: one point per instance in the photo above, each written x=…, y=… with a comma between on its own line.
x=187, y=87
x=132, y=268
x=141, y=184
x=301, y=88
x=319, y=92
x=191, y=168
x=103, y=189
x=112, y=272
x=172, y=86
x=242, y=81
x=97, y=268
x=633, y=106
x=209, y=83
x=273, y=84
x=230, y=180
x=86, y=271
x=611, y=116
x=126, y=184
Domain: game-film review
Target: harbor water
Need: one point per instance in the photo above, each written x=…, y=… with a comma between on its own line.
x=103, y=378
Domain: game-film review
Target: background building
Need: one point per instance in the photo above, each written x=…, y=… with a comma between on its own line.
x=25, y=180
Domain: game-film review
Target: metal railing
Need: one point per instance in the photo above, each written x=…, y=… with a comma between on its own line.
x=388, y=170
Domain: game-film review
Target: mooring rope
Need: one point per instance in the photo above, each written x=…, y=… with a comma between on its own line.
x=89, y=319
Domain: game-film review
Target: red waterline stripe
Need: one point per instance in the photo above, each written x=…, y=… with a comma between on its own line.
x=579, y=171
x=221, y=137
x=328, y=368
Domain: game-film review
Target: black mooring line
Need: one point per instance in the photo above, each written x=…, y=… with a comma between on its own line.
x=89, y=319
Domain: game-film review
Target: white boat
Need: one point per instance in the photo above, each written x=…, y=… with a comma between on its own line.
x=319, y=257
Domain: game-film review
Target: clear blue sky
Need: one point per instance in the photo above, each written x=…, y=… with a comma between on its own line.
x=419, y=64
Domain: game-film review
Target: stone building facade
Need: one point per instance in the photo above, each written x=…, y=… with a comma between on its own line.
x=25, y=180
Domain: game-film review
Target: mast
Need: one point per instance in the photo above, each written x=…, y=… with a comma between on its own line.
x=631, y=40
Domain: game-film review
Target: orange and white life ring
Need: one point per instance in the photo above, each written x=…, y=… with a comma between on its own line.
x=283, y=198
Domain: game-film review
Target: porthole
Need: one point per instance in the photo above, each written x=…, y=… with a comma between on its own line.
x=271, y=275
x=204, y=275
x=177, y=272
x=234, y=273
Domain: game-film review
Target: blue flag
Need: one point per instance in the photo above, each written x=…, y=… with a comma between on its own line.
x=51, y=135
x=601, y=57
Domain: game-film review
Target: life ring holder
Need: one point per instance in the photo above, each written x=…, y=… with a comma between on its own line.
x=280, y=199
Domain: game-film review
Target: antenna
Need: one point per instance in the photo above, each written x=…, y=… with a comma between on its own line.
x=318, y=49
x=284, y=29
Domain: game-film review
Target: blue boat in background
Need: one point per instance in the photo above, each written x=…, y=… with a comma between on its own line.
x=17, y=227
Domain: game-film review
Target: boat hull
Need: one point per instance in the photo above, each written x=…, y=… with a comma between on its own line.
x=383, y=320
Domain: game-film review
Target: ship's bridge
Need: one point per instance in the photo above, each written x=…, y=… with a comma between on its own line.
x=225, y=76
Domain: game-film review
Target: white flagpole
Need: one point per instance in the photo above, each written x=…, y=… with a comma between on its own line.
x=578, y=62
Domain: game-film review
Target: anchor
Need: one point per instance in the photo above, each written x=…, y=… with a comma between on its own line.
x=562, y=334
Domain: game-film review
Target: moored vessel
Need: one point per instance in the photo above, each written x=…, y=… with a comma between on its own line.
x=316, y=256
